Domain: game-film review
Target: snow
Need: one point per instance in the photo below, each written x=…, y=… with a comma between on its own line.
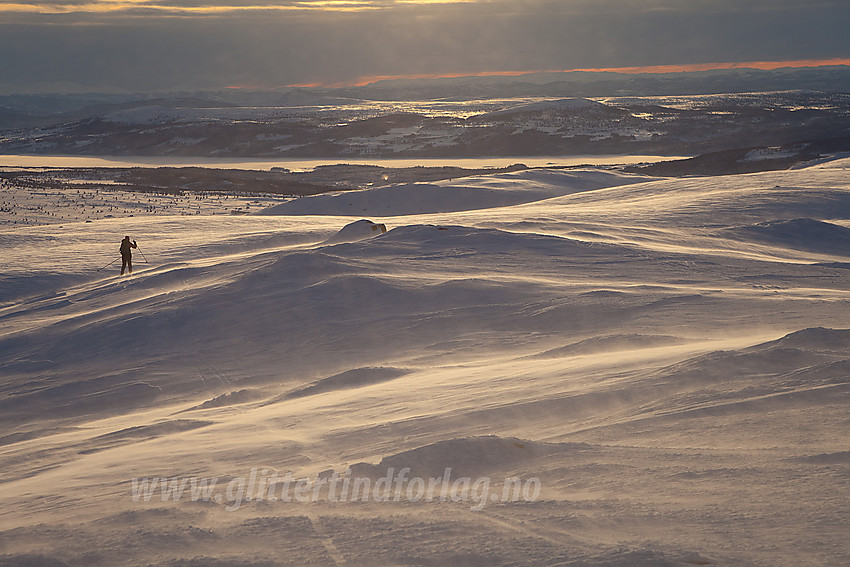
x=21, y=204
x=357, y=230
x=802, y=234
x=667, y=360
x=341, y=110
x=471, y=193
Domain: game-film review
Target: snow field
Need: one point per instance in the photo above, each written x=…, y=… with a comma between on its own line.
x=668, y=357
x=21, y=205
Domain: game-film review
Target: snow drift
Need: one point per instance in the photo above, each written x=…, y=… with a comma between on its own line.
x=671, y=380
x=801, y=234
x=357, y=230
x=468, y=194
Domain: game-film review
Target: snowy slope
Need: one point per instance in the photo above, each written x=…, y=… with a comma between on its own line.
x=659, y=357
x=472, y=193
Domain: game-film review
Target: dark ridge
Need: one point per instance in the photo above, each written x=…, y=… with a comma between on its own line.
x=734, y=161
x=349, y=379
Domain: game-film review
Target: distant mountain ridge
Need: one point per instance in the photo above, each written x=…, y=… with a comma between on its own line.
x=541, y=114
x=834, y=78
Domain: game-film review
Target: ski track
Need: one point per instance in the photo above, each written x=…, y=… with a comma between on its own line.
x=327, y=541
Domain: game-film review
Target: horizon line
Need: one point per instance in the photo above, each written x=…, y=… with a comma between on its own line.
x=635, y=70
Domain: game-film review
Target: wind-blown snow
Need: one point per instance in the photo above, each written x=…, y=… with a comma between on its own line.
x=473, y=193
x=668, y=358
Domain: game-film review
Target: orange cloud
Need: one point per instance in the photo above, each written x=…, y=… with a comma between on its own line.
x=687, y=68
x=169, y=6
x=763, y=65
x=154, y=6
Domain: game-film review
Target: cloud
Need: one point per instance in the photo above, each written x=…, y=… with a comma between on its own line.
x=168, y=44
x=199, y=7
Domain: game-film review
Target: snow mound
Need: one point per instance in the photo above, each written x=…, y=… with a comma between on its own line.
x=760, y=359
x=453, y=241
x=156, y=430
x=808, y=368
x=482, y=192
x=802, y=234
x=357, y=230
x=612, y=343
x=817, y=339
x=139, y=433
x=467, y=456
x=819, y=353
x=355, y=378
x=231, y=398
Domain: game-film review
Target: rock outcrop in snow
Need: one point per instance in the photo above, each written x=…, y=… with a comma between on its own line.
x=358, y=230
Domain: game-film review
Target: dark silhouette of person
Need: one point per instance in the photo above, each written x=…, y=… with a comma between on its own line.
x=127, y=255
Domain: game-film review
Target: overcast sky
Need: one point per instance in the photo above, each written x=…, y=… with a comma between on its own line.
x=182, y=44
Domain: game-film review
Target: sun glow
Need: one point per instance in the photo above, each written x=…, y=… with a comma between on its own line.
x=688, y=68
x=154, y=6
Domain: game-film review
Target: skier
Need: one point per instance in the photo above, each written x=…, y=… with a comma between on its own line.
x=127, y=255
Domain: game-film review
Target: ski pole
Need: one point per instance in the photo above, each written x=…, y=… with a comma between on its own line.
x=142, y=253
x=109, y=264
